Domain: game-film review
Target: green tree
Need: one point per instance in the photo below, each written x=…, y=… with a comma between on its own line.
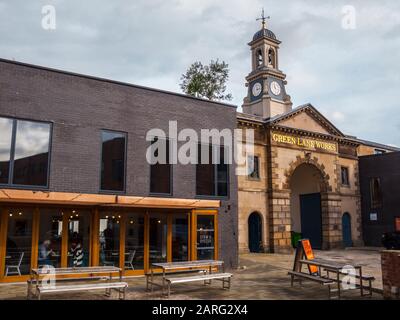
x=206, y=81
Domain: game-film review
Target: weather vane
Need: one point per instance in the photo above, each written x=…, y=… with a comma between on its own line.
x=263, y=19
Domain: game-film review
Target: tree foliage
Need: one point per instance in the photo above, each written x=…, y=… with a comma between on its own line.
x=206, y=81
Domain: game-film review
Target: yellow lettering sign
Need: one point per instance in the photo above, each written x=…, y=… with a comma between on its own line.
x=304, y=142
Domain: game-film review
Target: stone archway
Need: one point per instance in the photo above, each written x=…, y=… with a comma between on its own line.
x=306, y=186
x=280, y=218
x=255, y=233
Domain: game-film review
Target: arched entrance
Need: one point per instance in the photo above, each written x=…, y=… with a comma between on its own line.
x=346, y=230
x=255, y=232
x=306, y=185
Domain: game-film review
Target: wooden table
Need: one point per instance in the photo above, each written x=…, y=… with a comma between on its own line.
x=171, y=267
x=335, y=267
x=37, y=274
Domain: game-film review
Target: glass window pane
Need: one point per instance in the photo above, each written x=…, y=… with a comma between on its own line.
x=78, y=238
x=113, y=161
x=205, y=185
x=158, y=238
x=31, y=153
x=160, y=173
x=222, y=175
x=180, y=233
x=134, y=242
x=50, y=236
x=109, y=239
x=5, y=148
x=19, y=242
x=205, y=237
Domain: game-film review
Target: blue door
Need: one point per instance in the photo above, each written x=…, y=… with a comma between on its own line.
x=346, y=230
x=255, y=234
x=311, y=219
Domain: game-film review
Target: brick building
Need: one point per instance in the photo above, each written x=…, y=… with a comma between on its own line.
x=73, y=168
x=304, y=174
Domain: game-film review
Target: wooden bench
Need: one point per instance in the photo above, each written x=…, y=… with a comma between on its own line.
x=108, y=286
x=364, y=277
x=321, y=280
x=224, y=277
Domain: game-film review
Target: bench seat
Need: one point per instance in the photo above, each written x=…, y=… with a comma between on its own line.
x=322, y=280
x=224, y=277
x=120, y=286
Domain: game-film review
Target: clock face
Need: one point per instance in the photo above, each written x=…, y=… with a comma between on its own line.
x=275, y=88
x=256, y=90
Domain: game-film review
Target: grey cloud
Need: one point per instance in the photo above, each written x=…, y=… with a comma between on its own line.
x=354, y=73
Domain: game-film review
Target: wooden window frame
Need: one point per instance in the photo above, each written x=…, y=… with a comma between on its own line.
x=94, y=236
x=193, y=241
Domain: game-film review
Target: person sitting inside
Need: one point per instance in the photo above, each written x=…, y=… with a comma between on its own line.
x=77, y=253
x=44, y=253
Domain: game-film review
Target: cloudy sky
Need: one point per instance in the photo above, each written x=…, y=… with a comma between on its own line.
x=351, y=75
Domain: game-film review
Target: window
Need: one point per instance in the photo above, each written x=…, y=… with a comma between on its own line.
x=271, y=57
x=78, y=238
x=375, y=192
x=24, y=152
x=259, y=57
x=109, y=233
x=211, y=179
x=158, y=238
x=113, y=161
x=50, y=237
x=134, y=242
x=205, y=225
x=253, y=165
x=19, y=242
x=345, y=176
x=6, y=128
x=180, y=237
x=160, y=173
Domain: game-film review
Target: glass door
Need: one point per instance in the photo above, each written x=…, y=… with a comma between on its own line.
x=205, y=235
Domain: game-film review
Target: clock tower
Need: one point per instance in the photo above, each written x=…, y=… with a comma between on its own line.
x=266, y=83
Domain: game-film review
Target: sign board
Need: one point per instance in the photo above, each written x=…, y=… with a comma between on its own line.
x=304, y=250
x=373, y=216
x=305, y=142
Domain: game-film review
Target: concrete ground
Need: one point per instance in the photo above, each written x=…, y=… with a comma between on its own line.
x=260, y=276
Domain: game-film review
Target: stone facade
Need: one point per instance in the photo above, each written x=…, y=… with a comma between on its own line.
x=300, y=153
x=271, y=196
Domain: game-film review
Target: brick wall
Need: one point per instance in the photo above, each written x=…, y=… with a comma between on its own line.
x=391, y=273
x=80, y=106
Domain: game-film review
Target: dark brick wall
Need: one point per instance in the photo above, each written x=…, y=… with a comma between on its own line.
x=79, y=107
x=387, y=168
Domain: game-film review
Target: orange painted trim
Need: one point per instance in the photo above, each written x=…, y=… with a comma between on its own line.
x=3, y=240
x=146, y=254
x=122, y=239
x=35, y=238
x=169, y=238
x=95, y=238
x=64, y=238
x=37, y=197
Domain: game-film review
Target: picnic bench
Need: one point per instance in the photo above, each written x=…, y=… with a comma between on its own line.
x=105, y=274
x=316, y=266
x=203, y=268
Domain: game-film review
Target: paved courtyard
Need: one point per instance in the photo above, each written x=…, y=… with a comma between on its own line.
x=260, y=276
